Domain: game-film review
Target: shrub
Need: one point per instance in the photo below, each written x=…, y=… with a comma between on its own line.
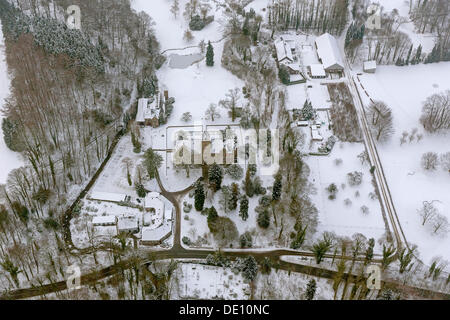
x=186, y=241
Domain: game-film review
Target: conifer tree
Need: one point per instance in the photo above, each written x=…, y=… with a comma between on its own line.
x=215, y=176
x=199, y=196
x=210, y=55
x=248, y=184
x=311, y=289
x=243, y=210
x=276, y=191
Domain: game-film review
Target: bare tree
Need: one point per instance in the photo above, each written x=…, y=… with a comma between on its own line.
x=380, y=120
x=212, y=113
x=440, y=224
x=436, y=112
x=231, y=102
x=188, y=37
x=175, y=8
x=445, y=161
x=427, y=212
x=430, y=161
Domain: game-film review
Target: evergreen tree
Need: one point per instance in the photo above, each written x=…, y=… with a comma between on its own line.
x=140, y=190
x=283, y=74
x=311, y=289
x=246, y=26
x=245, y=240
x=369, y=250
x=308, y=111
x=210, y=55
x=199, y=196
x=250, y=268
x=409, y=55
x=276, y=190
x=234, y=196
x=264, y=219
x=243, y=210
x=212, y=218
x=248, y=184
x=152, y=162
x=215, y=176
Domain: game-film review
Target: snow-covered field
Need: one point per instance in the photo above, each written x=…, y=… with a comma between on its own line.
x=9, y=160
x=404, y=89
x=335, y=215
x=197, y=281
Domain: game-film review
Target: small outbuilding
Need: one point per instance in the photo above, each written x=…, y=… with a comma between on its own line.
x=370, y=66
x=316, y=71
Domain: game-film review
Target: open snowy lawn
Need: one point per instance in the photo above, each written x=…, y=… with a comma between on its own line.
x=170, y=30
x=404, y=89
x=334, y=215
x=8, y=160
x=196, y=86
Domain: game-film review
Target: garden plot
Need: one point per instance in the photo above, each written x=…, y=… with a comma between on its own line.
x=404, y=89
x=114, y=177
x=345, y=219
x=194, y=225
x=196, y=86
x=197, y=281
x=9, y=160
x=284, y=285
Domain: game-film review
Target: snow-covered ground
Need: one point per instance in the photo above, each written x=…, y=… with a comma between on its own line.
x=402, y=6
x=9, y=160
x=335, y=215
x=404, y=89
x=197, y=281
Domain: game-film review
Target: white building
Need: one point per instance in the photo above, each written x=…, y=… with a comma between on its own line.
x=128, y=225
x=148, y=112
x=315, y=133
x=370, y=66
x=284, y=51
x=104, y=221
x=153, y=210
x=108, y=196
x=156, y=227
x=329, y=54
x=317, y=71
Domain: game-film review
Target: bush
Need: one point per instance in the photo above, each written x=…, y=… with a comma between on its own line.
x=283, y=74
x=187, y=207
x=235, y=171
x=246, y=240
x=354, y=178
x=186, y=241
x=264, y=219
x=196, y=23
x=430, y=161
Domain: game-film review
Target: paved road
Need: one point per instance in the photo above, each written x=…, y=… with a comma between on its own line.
x=380, y=178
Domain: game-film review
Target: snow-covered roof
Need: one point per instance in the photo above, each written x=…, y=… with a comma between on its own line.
x=108, y=196
x=147, y=110
x=283, y=51
x=317, y=70
x=104, y=220
x=155, y=207
x=288, y=37
x=328, y=51
x=150, y=234
x=127, y=223
x=316, y=134
x=370, y=65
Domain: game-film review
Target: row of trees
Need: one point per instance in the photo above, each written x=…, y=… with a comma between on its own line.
x=320, y=15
